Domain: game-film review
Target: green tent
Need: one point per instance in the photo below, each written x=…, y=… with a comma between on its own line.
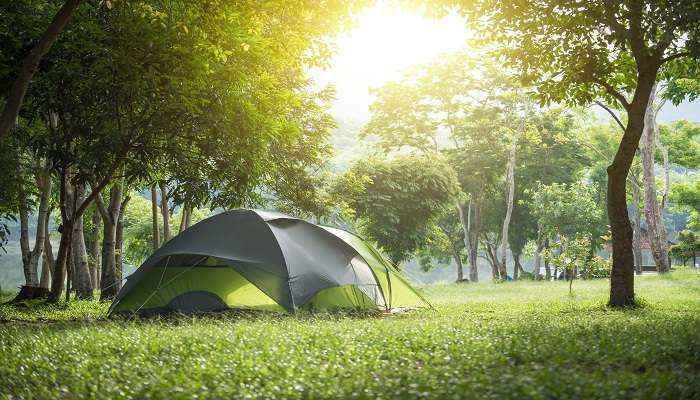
x=261, y=260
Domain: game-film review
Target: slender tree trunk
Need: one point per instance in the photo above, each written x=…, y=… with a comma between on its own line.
x=510, y=181
x=637, y=228
x=517, y=267
x=94, y=251
x=658, y=240
x=165, y=211
x=110, y=219
x=154, y=216
x=119, y=245
x=538, y=253
x=81, y=269
x=470, y=243
x=66, y=230
x=48, y=259
x=547, y=269
x=30, y=64
x=31, y=278
x=622, y=274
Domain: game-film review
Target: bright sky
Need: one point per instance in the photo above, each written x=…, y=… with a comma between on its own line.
x=385, y=42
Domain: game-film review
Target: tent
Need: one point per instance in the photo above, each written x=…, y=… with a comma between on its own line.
x=251, y=259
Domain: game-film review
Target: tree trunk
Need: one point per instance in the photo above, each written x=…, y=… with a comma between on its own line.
x=30, y=276
x=119, y=245
x=48, y=259
x=154, y=216
x=188, y=217
x=165, y=211
x=538, y=253
x=547, y=269
x=30, y=64
x=66, y=230
x=510, y=181
x=637, y=228
x=110, y=218
x=658, y=240
x=95, y=259
x=471, y=227
x=517, y=267
x=81, y=270
x=622, y=275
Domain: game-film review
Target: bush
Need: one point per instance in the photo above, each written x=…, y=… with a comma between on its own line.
x=596, y=268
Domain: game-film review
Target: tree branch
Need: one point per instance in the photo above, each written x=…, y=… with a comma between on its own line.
x=674, y=56
x=606, y=108
x=614, y=93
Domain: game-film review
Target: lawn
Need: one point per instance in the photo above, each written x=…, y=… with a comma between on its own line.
x=486, y=340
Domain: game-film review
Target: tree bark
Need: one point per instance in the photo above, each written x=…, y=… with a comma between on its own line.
x=637, y=228
x=517, y=267
x=538, y=253
x=66, y=230
x=622, y=275
x=81, y=271
x=30, y=64
x=110, y=219
x=471, y=236
x=510, y=181
x=547, y=269
x=119, y=245
x=95, y=259
x=154, y=214
x=48, y=259
x=656, y=229
x=165, y=211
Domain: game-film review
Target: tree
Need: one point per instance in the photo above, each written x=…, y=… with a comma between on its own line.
x=687, y=247
x=147, y=87
x=30, y=65
x=399, y=201
x=580, y=52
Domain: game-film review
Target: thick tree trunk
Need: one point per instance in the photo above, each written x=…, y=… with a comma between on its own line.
x=81, y=269
x=154, y=216
x=637, y=228
x=656, y=229
x=622, y=275
x=165, y=211
x=30, y=64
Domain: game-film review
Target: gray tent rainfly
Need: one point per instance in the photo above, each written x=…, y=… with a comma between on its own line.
x=264, y=260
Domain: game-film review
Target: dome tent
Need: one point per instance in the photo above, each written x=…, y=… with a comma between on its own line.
x=253, y=259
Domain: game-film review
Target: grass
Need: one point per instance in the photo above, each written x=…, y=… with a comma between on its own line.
x=510, y=340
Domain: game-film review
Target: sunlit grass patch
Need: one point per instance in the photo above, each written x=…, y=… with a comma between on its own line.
x=515, y=340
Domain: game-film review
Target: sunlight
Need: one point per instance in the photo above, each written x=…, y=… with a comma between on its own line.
x=385, y=42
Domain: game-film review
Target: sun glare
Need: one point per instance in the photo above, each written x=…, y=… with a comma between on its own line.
x=386, y=41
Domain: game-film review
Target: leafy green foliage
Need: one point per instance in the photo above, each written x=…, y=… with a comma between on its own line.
x=682, y=140
x=527, y=331
x=397, y=205
x=567, y=210
x=688, y=244
x=687, y=197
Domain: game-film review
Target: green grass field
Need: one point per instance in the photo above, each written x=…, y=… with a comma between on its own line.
x=510, y=340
